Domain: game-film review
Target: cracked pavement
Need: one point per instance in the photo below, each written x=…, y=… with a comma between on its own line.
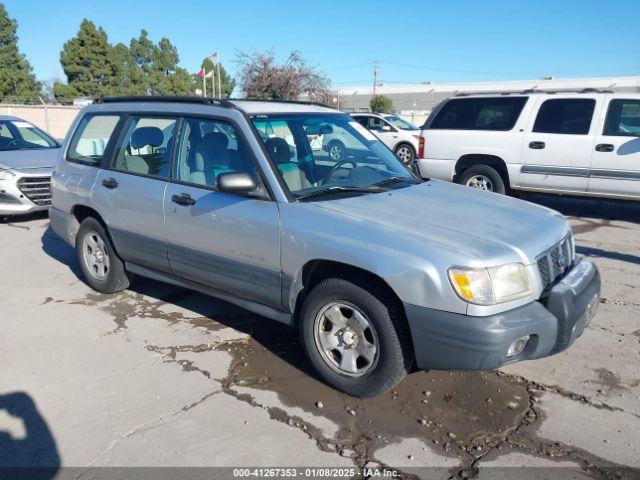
x=162, y=376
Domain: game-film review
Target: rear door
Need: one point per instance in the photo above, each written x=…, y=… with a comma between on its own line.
x=615, y=161
x=557, y=148
x=228, y=242
x=129, y=191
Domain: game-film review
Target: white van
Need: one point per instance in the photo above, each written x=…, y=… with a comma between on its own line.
x=583, y=143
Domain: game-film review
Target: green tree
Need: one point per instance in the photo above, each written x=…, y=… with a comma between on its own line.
x=90, y=63
x=17, y=82
x=380, y=104
x=228, y=82
x=129, y=79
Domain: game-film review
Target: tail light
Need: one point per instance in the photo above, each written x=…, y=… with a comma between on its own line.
x=421, y=147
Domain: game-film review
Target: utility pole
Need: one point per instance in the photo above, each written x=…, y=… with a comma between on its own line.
x=376, y=71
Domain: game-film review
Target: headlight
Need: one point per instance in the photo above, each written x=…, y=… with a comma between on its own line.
x=488, y=286
x=6, y=175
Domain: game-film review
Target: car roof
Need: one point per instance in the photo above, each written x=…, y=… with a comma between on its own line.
x=12, y=118
x=250, y=107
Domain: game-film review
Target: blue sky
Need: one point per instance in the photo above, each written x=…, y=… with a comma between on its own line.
x=415, y=41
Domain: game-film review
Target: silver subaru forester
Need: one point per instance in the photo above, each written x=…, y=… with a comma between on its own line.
x=379, y=270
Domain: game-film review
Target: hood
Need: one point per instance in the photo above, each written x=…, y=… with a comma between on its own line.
x=492, y=228
x=25, y=160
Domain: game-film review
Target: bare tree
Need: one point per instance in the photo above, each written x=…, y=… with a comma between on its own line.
x=261, y=77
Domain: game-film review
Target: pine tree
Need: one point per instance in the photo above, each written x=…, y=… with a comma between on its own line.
x=90, y=63
x=17, y=81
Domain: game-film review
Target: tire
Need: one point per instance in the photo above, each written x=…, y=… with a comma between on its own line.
x=387, y=331
x=336, y=150
x=406, y=154
x=483, y=177
x=92, y=243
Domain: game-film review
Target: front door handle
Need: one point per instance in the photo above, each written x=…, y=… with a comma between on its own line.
x=183, y=199
x=110, y=183
x=536, y=145
x=604, y=147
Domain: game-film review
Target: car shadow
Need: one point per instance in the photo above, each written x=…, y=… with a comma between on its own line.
x=282, y=340
x=27, y=447
x=583, y=207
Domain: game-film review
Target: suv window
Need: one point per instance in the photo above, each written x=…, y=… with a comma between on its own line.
x=623, y=118
x=479, y=113
x=91, y=138
x=146, y=147
x=570, y=116
x=376, y=123
x=206, y=149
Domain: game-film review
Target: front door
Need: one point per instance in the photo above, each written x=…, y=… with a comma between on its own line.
x=615, y=163
x=129, y=191
x=228, y=242
x=557, y=147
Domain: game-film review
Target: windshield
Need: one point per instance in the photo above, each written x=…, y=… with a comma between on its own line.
x=400, y=123
x=318, y=153
x=20, y=135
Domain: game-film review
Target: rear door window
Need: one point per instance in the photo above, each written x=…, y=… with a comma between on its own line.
x=146, y=147
x=569, y=116
x=91, y=138
x=623, y=118
x=493, y=113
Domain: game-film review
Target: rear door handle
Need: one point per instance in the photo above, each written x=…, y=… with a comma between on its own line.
x=110, y=183
x=183, y=199
x=536, y=145
x=604, y=147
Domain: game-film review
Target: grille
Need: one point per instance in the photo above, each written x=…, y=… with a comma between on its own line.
x=36, y=189
x=555, y=262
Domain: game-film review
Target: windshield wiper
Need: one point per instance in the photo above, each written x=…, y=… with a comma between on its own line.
x=395, y=179
x=339, y=188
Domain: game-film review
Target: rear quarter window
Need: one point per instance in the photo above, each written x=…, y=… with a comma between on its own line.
x=91, y=138
x=499, y=113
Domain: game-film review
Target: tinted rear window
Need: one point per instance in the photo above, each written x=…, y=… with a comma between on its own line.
x=571, y=116
x=500, y=113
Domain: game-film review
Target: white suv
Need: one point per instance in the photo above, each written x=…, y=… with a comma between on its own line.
x=396, y=133
x=584, y=143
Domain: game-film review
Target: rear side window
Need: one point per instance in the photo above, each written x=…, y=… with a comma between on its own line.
x=146, y=147
x=571, y=116
x=499, y=113
x=90, y=139
x=623, y=118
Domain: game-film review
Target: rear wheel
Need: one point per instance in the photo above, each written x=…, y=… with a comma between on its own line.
x=483, y=177
x=336, y=151
x=405, y=154
x=102, y=268
x=355, y=339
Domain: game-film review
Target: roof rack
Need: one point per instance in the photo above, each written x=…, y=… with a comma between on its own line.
x=533, y=90
x=228, y=103
x=167, y=99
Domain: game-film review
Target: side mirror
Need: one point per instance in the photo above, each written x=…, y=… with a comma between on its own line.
x=385, y=128
x=239, y=183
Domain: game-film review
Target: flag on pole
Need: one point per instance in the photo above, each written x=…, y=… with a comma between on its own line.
x=214, y=58
x=204, y=74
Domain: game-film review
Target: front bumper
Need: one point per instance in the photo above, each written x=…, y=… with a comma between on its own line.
x=451, y=341
x=25, y=194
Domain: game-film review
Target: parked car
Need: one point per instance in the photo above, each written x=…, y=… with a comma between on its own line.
x=395, y=132
x=327, y=246
x=27, y=158
x=585, y=143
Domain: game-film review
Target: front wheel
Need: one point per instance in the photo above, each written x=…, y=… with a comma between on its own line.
x=102, y=268
x=483, y=177
x=355, y=339
x=405, y=154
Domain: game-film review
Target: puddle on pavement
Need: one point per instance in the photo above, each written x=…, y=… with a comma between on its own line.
x=453, y=412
